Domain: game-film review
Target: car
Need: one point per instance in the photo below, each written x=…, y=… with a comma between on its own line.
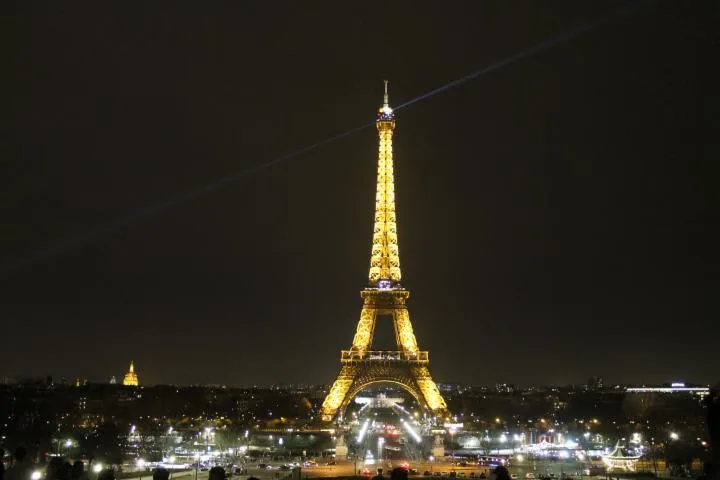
x=284, y=467
x=530, y=475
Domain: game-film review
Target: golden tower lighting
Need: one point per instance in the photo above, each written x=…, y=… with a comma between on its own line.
x=131, y=378
x=407, y=366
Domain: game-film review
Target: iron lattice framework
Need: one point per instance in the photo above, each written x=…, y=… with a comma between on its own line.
x=361, y=366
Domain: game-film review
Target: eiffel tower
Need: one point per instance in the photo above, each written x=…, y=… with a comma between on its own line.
x=408, y=365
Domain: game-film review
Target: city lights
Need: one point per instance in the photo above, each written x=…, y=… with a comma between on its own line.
x=97, y=468
x=36, y=475
x=674, y=436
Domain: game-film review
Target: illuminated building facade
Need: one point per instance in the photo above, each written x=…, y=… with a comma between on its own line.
x=131, y=378
x=407, y=366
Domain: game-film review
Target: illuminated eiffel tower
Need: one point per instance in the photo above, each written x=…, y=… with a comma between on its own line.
x=408, y=365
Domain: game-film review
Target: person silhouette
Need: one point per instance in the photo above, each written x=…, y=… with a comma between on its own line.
x=106, y=474
x=501, y=473
x=52, y=472
x=78, y=471
x=20, y=469
x=399, y=473
x=161, y=474
x=216, y=473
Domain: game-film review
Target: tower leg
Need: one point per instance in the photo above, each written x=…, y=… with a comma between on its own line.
x=338, y=392
x=430, y=392
x=404, y=333
x=366, y=328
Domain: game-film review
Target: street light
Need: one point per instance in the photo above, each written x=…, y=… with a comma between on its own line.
x=674, y=436
x=97, y=468
x=452, y=444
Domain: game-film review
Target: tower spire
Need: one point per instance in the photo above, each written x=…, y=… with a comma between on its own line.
x=384, y=256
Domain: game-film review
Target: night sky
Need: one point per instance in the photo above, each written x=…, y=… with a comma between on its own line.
x=554, y=215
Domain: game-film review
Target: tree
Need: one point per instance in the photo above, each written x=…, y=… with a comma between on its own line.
x=105, y=444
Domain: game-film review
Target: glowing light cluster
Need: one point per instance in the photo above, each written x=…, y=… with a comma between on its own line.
x=131, y=378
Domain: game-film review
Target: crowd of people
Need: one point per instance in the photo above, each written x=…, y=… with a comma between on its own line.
x=20, y=468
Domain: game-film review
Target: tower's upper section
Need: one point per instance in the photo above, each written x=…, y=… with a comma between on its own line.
x=384, y=256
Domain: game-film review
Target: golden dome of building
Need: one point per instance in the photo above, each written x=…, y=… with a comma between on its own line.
x=131, y=377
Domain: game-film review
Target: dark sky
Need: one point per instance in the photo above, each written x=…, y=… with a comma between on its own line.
x=554, y=215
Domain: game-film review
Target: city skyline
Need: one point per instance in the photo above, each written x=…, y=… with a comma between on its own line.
x=552, y=213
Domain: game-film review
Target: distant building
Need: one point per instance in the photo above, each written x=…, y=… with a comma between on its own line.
x=131, y=378
x=113, y=380
x=504, y=388
x=594, y=384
